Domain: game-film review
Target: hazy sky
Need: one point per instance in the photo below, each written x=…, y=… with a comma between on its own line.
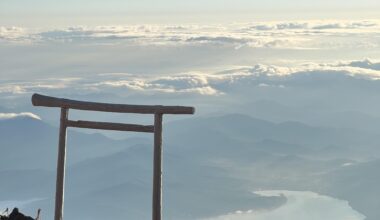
x=53, y=12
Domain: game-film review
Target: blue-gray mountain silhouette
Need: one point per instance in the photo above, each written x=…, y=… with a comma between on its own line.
x=215, y=161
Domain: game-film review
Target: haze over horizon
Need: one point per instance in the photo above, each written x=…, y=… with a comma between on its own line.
x=42, y=13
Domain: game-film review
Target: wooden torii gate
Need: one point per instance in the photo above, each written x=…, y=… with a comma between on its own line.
x=157, y=110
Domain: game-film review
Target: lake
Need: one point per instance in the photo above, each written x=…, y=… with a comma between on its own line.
x=300, y=205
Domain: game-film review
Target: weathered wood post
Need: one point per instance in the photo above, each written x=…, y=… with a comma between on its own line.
x=157, y=168
x=60, y=184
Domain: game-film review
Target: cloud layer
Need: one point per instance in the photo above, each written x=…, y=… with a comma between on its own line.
x=235, y=81
x=257, y=35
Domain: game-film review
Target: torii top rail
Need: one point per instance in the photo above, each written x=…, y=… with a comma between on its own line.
x=157, y=110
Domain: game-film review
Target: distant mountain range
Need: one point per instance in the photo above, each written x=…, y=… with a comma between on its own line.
x=211, y=166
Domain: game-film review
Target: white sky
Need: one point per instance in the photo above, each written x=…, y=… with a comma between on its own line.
x=75, y=12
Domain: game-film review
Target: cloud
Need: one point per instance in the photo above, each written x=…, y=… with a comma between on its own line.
x=201, y=83
x=183, y=83
x=279, y=26
x=218, y=39
x=299, y=206
x=37, y=85
x=319, y=25
x=11, y=33
x=295, y=35
x=6, y=116
x=347, y=25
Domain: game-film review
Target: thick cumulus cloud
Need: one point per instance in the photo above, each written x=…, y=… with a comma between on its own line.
x=258, y=35
x=200, y=83
x=299, y=206
x=13, y=34
x=43, y=84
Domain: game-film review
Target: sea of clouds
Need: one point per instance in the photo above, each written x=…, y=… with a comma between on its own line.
x=299, y=34
x=193, y=83
x=312, y=64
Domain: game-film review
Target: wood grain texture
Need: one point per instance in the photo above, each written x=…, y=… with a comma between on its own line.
x=60, y=183
x=111, y=126
x=48, y=101
x=157, y=169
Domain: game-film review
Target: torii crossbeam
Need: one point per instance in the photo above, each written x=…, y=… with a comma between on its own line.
x=66, y=104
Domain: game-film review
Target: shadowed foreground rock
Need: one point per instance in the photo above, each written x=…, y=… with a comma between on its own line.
x=16, y=215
